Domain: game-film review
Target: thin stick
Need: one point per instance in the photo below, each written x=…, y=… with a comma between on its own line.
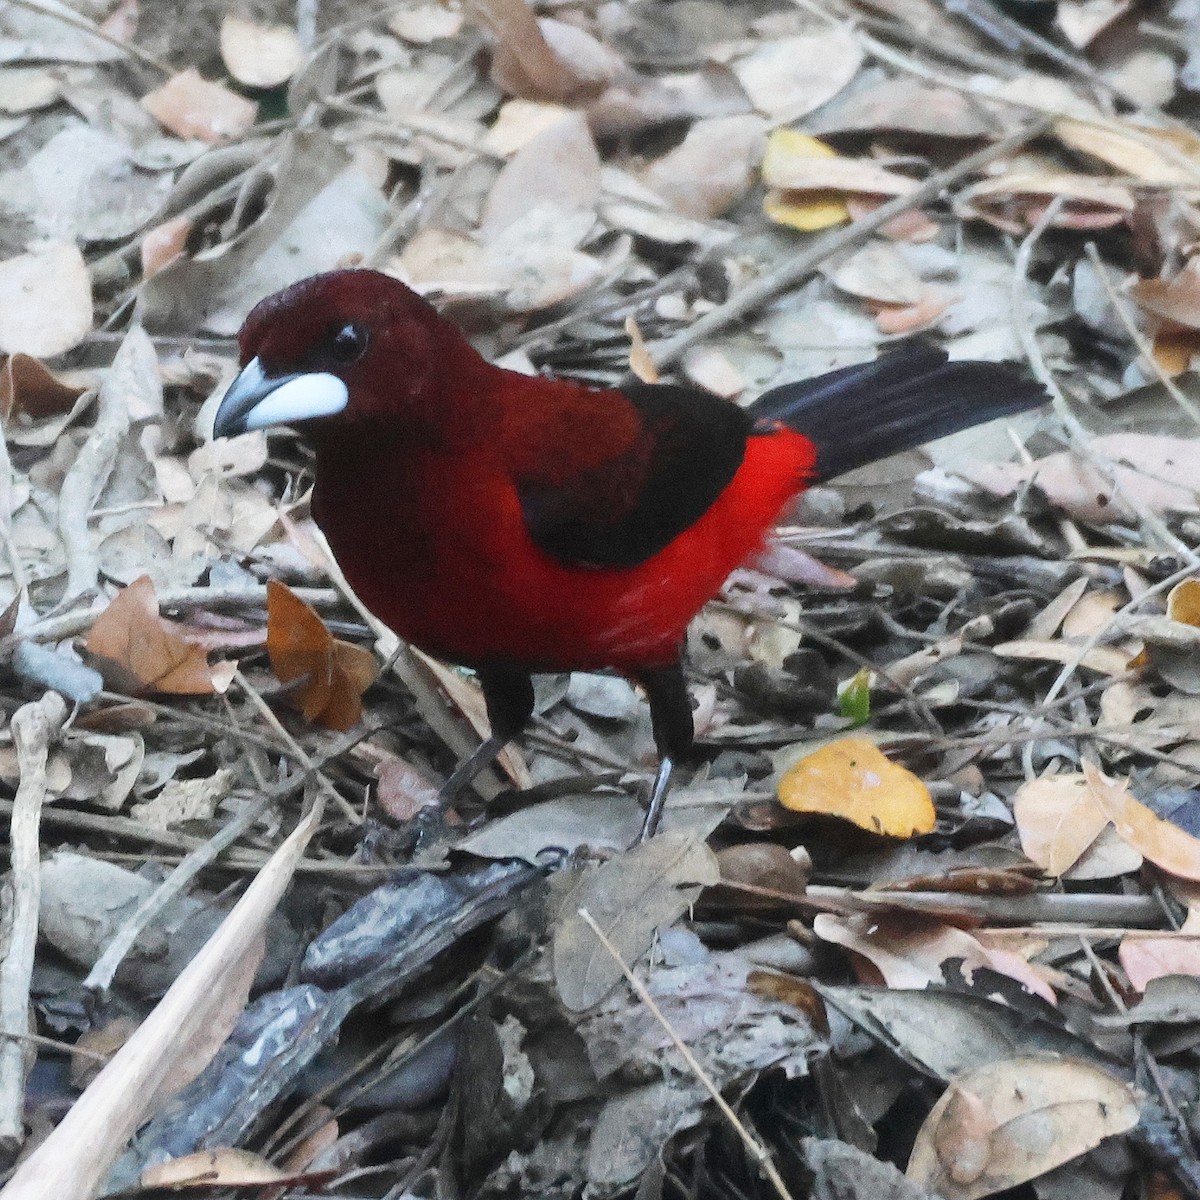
x=1163, y=585
x=793, y=272
x=68, y=624
x=1135, y=335
x=296, y=749
x=1080, y=437
x=100, y=977
x=91, y=28
x=754, y=1148
x=34, y=727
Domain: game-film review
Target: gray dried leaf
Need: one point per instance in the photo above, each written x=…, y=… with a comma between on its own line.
x=629, y=897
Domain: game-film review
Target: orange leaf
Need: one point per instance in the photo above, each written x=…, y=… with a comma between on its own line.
x=1173, y=349
x=26, y=385
x=851, y=779
x=332, y=674
x=1183, y=602
x=1165, y=845
x=137, y=651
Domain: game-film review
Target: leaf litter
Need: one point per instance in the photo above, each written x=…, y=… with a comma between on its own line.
x=947, y=719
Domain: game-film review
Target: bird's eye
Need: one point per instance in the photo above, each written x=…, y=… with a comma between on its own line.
x=348, y=343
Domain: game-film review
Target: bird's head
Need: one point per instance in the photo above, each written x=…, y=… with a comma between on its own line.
x=343, y=351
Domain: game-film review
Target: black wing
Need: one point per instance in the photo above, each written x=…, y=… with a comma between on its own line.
x=624, y=512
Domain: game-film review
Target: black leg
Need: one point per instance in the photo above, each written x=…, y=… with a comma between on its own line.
x=670, y=710
x=674, y=733
x=509, y=695
x=508, y=692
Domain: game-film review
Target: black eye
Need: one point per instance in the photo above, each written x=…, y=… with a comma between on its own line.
x=348, y=343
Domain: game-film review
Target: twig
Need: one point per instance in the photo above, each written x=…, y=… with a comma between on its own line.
x=69, y=624
x=69, y=1049
x=296, y=749
x=90, y=471
x=1135, y=335
x=1163, y=585
x=428, y=699
x=1080, y=437
x=1076, y=908
x=100, y=977
x=754, y=1148
x=76, y=21
x=793, y=272
x=34, y=727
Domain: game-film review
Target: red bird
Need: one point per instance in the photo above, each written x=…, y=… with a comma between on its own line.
x=518, y=524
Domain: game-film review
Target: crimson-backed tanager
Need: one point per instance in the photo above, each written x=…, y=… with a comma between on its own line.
x=517, y=524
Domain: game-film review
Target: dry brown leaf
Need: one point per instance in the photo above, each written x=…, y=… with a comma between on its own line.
x=193, y=107
x=1158, y=470
x=711, y=369
x=1058, y=818
x=850, y=778
x=543, y=59
x=898, y=319
x=29, y=386
x=1147, y=154
x=425, y=23
x=1016, y=200
x=558, y=169
x=45, y=301
x=1107, y=660
x=137, y=651
x=163, y=244
x=640, y=362
x=910, y=952
x=712, y=168
x=1162, y=843
x=331, y=675
x=905, y=105
x=788, y=77
x=519, y=122
x=259, y=56
x=1010, y=1121
x=225, y=1166
x=794, y=164
x=878, y=272
x=185, y=800
x=23, y=89
x=1175, y=301
x=1147, y=958
x=629, y=897
x=403, y=789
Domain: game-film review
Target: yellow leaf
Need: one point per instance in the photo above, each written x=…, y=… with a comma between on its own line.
x=817, y=210
x=852, y=779
x=1183, y=602
x=784, y=144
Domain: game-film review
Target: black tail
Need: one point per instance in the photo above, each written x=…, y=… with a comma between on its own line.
x=903, y=399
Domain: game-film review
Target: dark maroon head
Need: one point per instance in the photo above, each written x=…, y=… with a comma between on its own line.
x=342, y=350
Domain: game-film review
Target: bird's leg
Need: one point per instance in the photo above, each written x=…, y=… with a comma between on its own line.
x=658, y=797
x=674, y=733
x=508, y=692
